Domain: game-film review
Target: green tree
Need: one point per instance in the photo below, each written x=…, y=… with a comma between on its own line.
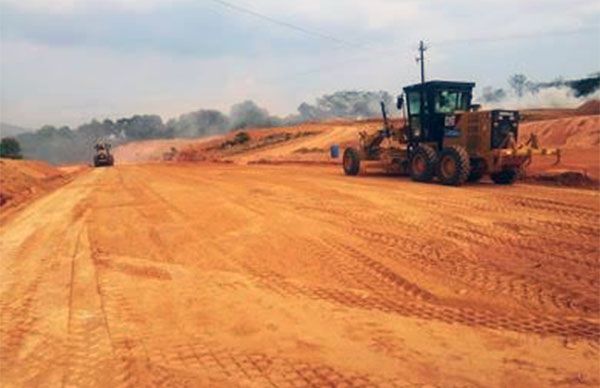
x=10, y=148
x=518, y=83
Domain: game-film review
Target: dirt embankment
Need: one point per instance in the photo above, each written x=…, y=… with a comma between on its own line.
x=570, y=132
x=589, y=108
x=575, y=131
x=578, y=137
x=21, y=181
x=308, y=143
x=154, y=150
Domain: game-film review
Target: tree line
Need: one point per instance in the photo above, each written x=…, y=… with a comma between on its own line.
x=64, y=144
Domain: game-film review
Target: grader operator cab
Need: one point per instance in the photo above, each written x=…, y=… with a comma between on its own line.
x=446, y=137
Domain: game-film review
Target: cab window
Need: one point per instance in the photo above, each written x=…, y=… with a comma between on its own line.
x=414, y=103
x=447, y=101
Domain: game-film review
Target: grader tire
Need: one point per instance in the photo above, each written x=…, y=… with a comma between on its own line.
x=351, y=162
x=454, y=166
x=477, y=170
x=505, y=177
x=422, y=163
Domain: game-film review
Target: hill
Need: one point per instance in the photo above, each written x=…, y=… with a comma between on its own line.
x=9, y=130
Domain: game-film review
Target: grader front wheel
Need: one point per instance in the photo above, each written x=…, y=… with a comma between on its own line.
x=351, y=162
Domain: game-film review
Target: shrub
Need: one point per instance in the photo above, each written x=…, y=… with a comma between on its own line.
x=10, y=148
x=241, y=138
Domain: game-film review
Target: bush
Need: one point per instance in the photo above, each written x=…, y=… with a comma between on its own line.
x=10, y=148
x=241, y=138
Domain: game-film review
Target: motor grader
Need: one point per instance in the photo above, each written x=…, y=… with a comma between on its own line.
x=445, y=137
x=103, y=157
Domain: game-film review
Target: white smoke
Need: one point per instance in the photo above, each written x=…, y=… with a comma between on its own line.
x=553, y=97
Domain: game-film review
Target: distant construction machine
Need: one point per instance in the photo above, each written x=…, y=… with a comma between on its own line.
x=103, y=157
x=445, y=136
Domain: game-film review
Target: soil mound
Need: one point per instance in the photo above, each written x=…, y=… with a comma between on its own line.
x=570, y=132
x=591, y=107
x=564, y=177
x=21, y=180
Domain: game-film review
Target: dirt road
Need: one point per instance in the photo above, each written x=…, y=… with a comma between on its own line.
x=188, y=275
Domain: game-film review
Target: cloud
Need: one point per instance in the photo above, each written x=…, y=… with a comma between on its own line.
x=66, y=61
x=74, y=6
x=190, y=27
x=175, y=31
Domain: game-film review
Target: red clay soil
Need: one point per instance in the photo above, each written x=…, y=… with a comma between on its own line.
x=200, y=275
x=591, y=107
x=570, y=132
x=21, y=181
x=577, y=137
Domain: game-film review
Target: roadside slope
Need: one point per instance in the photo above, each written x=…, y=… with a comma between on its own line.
x=21, y=180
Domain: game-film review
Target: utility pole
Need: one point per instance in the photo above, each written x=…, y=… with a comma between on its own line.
x=422, y=106
x=421, y=59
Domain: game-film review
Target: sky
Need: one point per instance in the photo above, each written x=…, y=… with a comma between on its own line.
x=66, y=62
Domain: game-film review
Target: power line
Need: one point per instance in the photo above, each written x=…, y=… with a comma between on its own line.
x=306, y=31
x=345, y=43
x=441, y=43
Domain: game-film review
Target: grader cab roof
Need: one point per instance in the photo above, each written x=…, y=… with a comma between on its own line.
x=440, y=85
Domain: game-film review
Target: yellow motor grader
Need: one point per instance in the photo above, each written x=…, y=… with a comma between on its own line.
x=103, y=157
x=445, y=137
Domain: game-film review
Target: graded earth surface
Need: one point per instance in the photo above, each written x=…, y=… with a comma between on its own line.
x=229, y=275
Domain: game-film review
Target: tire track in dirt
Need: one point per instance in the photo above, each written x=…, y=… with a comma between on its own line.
x=182, y=364
x=507, y=204
x=130, y=353
x=170, y=310
x=18, y=320
x=531, y=287
x=540, y=325
x=32, y=316
x=527, y=323
x=486, y=276
x=231, y=365
x=90, y=342
x=493, y=279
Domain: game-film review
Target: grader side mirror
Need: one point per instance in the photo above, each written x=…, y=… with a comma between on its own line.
x=400, y=102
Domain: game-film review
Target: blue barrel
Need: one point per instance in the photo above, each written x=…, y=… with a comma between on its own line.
x=335, y=151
